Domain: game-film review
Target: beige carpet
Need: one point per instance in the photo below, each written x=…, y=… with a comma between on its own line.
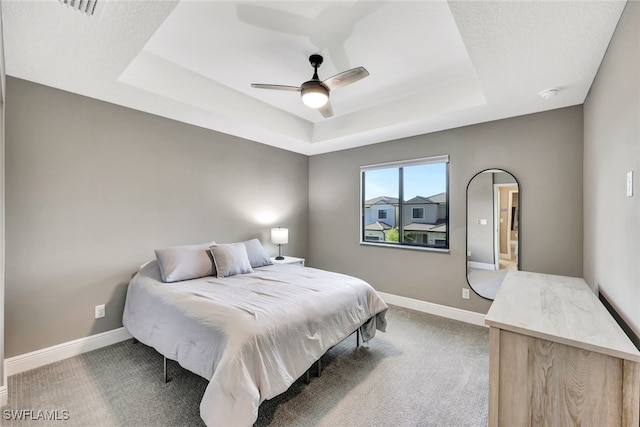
x=425, y=371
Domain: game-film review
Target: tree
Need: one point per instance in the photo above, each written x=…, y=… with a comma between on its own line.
x=392, y=235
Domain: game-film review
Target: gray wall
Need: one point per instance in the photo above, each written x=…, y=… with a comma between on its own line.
x=2, y=224
x=611, y=149
x=93, y=188
x=544, y=153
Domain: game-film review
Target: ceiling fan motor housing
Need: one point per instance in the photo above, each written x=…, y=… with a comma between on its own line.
x=316, y=60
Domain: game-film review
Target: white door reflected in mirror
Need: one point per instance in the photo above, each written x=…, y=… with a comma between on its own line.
x=493, y=198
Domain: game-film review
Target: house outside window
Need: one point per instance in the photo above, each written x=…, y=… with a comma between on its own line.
x=413, y=195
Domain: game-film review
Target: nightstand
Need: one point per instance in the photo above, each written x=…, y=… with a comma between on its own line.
x=288, y=260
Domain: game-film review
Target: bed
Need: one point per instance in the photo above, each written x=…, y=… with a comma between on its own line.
x=250, y=334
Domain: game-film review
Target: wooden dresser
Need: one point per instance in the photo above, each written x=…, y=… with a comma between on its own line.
x=557, y=357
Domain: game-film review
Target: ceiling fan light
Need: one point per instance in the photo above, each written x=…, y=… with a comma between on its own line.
x=314, y=96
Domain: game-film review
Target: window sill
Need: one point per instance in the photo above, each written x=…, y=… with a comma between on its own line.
x=409, y=247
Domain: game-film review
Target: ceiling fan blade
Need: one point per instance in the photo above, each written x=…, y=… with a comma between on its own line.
x=275, y=87
x=326, y=110
x=345, y=78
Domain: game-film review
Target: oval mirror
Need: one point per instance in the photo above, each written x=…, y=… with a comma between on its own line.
x=493, y=228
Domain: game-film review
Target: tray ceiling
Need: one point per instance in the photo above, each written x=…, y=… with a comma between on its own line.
x=433, y=65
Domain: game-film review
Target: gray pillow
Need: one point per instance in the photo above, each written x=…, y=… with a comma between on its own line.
x=230, y=259
x=185, y=262
x=258, y=257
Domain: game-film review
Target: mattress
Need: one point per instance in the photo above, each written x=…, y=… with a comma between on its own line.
x=251, y=335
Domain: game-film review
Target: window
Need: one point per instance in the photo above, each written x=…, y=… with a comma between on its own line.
x=411, y=197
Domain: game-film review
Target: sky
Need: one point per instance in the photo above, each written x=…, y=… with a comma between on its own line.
x=421, y=180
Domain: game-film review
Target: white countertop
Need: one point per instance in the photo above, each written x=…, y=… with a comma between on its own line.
x=560, y=309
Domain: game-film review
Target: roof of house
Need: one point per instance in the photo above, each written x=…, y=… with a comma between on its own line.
x=419, y=200
x=442, y=228
x=382, y=200
x=377, y=226
x=438, y=198
x=386, y=200
x=414, y=226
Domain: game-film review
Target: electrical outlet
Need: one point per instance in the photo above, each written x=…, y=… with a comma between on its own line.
x=100, y=312
x=465, y=293
x=468, y=253
x=630, y=184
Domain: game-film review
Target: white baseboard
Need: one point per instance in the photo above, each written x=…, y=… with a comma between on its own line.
x=480, y=265
x=45, y=356
x=4, y=396
x=436, y=309
x=35, y=359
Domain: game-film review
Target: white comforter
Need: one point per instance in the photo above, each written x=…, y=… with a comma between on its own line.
x=250, y=335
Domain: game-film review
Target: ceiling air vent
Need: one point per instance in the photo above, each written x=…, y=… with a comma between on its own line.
x=86, y=7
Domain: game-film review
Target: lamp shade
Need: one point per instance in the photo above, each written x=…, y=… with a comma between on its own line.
x=314, y=94
x=280, y=236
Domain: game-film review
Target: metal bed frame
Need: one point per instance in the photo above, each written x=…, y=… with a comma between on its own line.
x=166, y=379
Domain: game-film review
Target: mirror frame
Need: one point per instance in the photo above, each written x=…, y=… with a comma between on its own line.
x=466, y=224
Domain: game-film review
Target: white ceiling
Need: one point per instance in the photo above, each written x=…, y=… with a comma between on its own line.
x=433, y=65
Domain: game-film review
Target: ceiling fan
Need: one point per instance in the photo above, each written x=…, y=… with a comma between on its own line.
x=315, y=93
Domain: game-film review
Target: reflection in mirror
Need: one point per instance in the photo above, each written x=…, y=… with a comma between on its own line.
x=493, y=227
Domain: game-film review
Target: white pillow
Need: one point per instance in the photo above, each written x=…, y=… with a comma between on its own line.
x=185, y=262
x=258, y=257
x=230, y=259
